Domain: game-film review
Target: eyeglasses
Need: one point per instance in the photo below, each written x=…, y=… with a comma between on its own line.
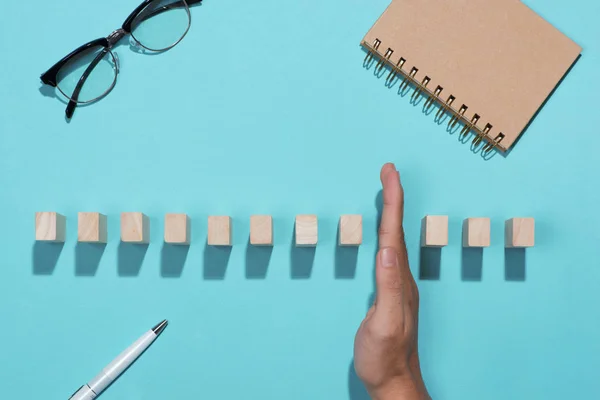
x=90, y=72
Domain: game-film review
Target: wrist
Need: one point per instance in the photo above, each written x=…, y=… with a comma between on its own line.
x=415, y=368
x=401, y=388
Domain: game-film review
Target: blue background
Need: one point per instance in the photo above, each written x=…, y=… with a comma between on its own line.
x=265, y=107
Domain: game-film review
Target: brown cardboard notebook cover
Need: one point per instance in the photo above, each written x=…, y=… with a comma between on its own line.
x=497, y=57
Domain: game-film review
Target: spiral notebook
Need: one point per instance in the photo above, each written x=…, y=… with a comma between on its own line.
x=489, y=64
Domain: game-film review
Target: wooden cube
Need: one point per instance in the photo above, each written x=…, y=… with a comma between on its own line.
x=50, y=227
x=219, y=231
x=177, y=229
x=350, y=230
x=91, y=227
x=135, y=227
x=434, y=231
x=261, y=230
x=307, y=231
x=520, y=232
x=476, y=232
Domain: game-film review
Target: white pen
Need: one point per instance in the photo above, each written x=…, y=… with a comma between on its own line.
x=111, y=372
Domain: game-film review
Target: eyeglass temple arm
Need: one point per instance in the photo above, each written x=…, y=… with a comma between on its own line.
x=73, y=99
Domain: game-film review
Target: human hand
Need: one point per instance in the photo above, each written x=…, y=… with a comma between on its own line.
x=385, y=348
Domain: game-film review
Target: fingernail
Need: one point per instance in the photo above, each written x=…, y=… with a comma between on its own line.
x=389, y=258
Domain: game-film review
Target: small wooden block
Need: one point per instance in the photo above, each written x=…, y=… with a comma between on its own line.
x=350, y=230
x=261, y=230
x=434, y=231
x=219, y=231
x=476, y=232
x=520, y=232
x=91, y=227
x=135, y=227
x=50, y=227
x=307, y=230
x=177, y=229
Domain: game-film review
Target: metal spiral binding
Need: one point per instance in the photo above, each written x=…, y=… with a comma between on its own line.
x=389, y=81
x=409, y=78
x=369, y=55
x=432, y=97
x=444, y=107
x=420, y=88
x=467, y=128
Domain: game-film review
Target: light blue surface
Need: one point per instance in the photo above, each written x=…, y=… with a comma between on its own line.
x=265, y=108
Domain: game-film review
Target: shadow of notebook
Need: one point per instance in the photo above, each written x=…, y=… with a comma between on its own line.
x=489, y=63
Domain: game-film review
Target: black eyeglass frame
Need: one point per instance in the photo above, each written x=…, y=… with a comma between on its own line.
x=50, y=77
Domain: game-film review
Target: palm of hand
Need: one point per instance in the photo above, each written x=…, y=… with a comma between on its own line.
x=385, y=349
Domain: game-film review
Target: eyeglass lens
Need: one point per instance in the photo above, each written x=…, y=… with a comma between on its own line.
x=161, y=24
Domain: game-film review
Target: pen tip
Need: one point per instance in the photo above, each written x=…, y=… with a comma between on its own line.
x=160, y=327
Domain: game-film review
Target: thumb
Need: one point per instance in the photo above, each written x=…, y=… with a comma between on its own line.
x=390, y=286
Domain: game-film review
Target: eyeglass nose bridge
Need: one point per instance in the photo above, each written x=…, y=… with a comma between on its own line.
x=115, y=36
